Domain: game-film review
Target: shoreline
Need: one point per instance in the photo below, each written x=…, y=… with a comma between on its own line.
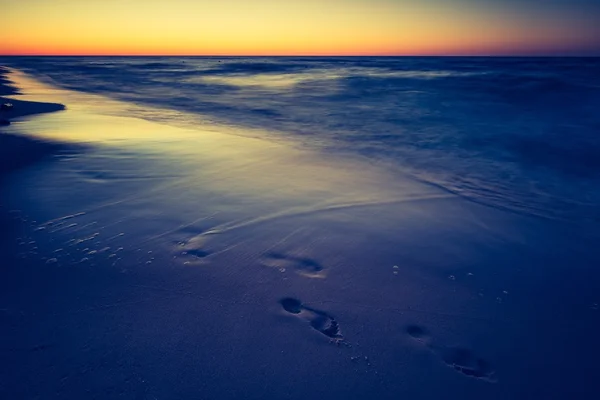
x=18, y=151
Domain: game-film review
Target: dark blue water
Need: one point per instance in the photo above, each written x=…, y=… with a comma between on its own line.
x=521, y=134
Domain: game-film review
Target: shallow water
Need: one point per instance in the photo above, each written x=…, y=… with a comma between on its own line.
x=516, y=133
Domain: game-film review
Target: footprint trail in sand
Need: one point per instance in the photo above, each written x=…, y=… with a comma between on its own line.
x=317, y=319
x=461, y=359
x=301, y=265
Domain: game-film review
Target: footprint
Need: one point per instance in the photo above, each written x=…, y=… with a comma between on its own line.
x=417, y=333
x=290, y=305
x=301, y=265
x=461, y=359
x=193, y=250
x=317, y=319
x=465, y=362
x=198, y=253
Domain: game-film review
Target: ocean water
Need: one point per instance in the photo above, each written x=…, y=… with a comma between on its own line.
x=520, y=134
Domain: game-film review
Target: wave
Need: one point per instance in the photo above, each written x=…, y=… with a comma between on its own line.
x=520, y=133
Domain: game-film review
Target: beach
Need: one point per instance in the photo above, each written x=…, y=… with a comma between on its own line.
x=199, y=259
x=16, y=151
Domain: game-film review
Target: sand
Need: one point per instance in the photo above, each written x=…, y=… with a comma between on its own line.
x=166, y=262
x=18, y=151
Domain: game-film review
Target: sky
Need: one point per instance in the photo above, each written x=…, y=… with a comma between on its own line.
x=300, y=27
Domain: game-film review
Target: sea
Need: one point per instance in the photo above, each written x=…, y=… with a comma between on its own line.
x=519, y=134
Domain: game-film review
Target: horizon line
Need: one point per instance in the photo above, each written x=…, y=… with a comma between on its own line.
x=315, y=55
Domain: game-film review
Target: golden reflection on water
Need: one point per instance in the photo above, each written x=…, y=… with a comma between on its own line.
x=215, y=157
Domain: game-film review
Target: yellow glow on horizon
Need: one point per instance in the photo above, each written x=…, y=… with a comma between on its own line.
x=266, y=27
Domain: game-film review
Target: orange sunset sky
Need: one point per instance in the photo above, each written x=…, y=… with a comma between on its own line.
x=308, y=27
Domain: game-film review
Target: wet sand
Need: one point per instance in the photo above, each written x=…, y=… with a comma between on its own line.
x=19, y=151
x=178, y=262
